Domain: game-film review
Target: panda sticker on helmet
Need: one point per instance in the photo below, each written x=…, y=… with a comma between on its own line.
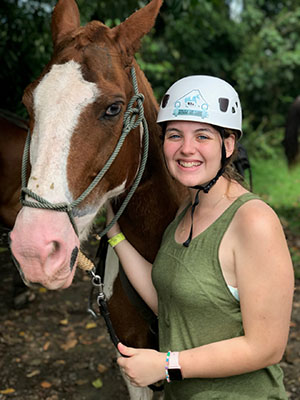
x=192, y=103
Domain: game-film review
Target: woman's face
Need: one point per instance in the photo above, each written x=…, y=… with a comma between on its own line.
x=193, y=151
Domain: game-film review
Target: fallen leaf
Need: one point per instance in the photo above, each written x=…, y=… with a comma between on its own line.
x=33, y=373
x=81, y=382
x=97, y=383
x=46, y=346
x=84, y=340
x=7, y=391
x=91, y=325
x=101, y=368
x=69, y=345
x=59, y=362
x=64, y=322
x=46, y=385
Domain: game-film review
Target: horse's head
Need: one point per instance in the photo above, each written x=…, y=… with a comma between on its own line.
x=76, y=110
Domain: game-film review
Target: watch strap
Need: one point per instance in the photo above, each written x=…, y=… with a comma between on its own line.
x=174, y=369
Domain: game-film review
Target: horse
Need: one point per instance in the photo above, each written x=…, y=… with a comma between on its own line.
x=292, y=129
x=79, y=108
x=13, y=132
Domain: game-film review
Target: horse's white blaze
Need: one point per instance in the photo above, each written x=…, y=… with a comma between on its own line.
x=59, y=99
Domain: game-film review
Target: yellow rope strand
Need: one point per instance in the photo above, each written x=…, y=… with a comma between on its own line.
x=84, y=263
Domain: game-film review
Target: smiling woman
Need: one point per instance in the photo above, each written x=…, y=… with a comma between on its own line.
x=194, y=148
x=222, y=281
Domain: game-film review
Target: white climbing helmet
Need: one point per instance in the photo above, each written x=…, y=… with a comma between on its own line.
x=202, y=98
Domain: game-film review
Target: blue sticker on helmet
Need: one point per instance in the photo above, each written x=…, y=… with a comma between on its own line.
x=193, y=103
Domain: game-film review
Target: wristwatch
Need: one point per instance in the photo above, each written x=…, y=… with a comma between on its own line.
x=174, y=368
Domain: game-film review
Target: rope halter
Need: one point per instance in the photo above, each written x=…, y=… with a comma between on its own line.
x=133, y=117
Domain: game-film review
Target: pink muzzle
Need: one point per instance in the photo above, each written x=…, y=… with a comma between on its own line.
x=45, y=246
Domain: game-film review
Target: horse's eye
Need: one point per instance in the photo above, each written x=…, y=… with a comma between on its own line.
x=113, y=110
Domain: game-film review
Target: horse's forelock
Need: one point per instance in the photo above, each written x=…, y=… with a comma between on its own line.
x=93, y=32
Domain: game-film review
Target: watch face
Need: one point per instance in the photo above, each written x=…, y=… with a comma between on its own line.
x=175, y=374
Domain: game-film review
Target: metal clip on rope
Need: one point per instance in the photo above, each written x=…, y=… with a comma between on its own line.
x=101, y=301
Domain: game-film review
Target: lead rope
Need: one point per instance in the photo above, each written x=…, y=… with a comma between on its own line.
x=98, y=284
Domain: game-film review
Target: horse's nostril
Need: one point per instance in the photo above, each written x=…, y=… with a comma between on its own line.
x=73, y=257
x=55, y=247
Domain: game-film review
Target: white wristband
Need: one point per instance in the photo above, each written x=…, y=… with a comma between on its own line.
x=174, y=360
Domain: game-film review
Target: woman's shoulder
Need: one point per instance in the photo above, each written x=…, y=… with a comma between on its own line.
x=256, y=217
x=256, y=208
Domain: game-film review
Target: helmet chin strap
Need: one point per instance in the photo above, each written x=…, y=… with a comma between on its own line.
x=207, y=187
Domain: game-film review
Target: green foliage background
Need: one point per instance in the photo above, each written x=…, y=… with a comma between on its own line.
x=257, y=50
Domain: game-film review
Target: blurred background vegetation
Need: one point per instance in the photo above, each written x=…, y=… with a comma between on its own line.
x=253, y=44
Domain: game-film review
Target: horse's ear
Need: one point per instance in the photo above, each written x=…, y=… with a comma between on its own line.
x=137, y=25
x=65, y=19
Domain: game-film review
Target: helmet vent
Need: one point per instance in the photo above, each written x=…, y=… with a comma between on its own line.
x=233, y=110
x=165, y=100
x=223, y=103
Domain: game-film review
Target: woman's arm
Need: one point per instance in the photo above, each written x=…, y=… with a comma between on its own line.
x=136, y=267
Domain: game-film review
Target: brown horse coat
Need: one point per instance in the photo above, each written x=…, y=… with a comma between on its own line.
x=13, y=131
x=76, y=110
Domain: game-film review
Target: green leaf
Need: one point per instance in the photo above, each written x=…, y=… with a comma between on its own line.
x=97, y=383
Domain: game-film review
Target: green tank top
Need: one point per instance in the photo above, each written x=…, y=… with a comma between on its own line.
x=196, y=307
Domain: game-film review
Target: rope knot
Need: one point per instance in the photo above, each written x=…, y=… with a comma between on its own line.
x=69, y=208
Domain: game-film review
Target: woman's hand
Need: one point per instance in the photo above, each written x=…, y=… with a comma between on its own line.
x=142, y=366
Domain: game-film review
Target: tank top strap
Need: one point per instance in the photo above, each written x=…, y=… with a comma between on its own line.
x=232, y=209
x=218, y=228
x=222, y=222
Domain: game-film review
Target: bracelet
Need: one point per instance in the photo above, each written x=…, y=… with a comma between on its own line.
x=167, y=366
x=113, y=241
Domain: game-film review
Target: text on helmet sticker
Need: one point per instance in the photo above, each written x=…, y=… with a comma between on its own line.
x=192, y=103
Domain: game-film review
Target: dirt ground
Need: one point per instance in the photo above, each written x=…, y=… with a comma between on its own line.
x=52, y=349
